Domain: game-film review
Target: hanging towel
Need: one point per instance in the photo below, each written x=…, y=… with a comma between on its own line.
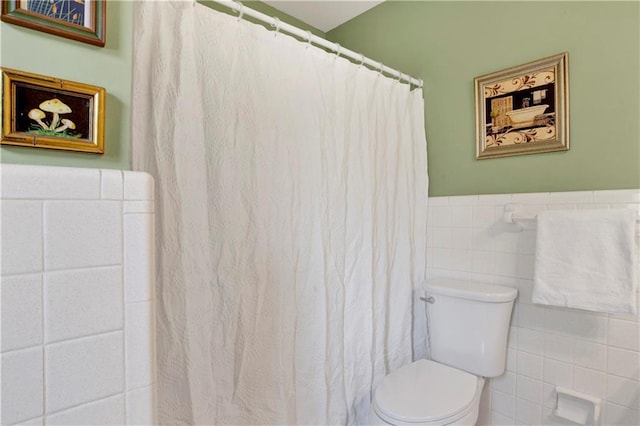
x=587, y=259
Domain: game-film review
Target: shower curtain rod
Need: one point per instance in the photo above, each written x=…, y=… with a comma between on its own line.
x=306, y=35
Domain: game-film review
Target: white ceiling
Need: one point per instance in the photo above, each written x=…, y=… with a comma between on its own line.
x=325, y=15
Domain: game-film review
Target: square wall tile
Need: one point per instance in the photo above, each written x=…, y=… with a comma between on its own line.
x=84, y=370
x=526, y=267
x=140, y=407
x=507, y=242
x=494, y=199
x=549, y=395
x=140, y=344
x=111, y=185
x=439, y=237
x=51, y=183
x=558, y=373
x=529, y=365
x=21, y=311
x=617, y=196
x=505, y=383
x=572, y=197
x=590, y=355
x=138, y=186
x=482, y=262
x=21, y=245
x=439, y=258
x=528, y=413
x=22, y=397
x=461, y=238
x=108, y=411
x=438, y=201
x=82, y=234
x=558, y=347
x=460, y=260
x=439, y=216
x=463, y=200
x=498, y=419
x=506, y=265
x=590, y=382
x=83, y=302
x=618, y=415
x=529, y=389
x=531, y=341
x=511, y=360
x=139, y=266
x=575, y=323
x=142, y=206
x=461, y=216
x=38, y=421
x=503, y=403
x=530, y=198
x=624, y=363
x=527, y=242
x=623, y=392
x=624, y=334
x=484, y=216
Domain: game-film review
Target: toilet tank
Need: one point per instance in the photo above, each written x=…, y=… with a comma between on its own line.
x=468, y=324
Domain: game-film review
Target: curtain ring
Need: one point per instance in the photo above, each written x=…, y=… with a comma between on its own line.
x=361, y=59
x=338, y=51
x=276, y=25
x=399, y=77
x=308, y=39
x=420, y=83
x=240, y=10
x=380, y=68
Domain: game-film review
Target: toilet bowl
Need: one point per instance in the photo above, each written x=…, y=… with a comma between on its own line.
x=468, y=328
x=427, y=393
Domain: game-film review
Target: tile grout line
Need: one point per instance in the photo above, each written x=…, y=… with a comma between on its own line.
x=123, y=276
x=43, y=313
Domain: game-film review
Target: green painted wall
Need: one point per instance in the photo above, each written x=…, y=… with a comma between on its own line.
x=449, y=43
x=109, y=67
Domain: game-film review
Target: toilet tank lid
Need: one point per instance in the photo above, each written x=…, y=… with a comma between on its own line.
x=463, y=289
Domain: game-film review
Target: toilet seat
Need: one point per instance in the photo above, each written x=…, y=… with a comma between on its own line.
x=425, y=392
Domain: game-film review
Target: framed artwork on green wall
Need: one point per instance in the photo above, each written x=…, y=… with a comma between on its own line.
x=82, y=20
x=524, y=109
x=47, y=112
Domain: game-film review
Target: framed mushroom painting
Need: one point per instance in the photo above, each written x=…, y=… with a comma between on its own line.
x=47, y=112
x=524, y=109
x=82, y=20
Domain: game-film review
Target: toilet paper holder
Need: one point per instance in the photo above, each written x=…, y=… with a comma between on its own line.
x=577, y=407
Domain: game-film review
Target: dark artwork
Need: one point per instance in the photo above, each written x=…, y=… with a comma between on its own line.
x=56, y=113
x=71, y=11
x=525, y=99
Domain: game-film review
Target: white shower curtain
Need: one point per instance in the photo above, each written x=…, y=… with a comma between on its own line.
x=291, y=213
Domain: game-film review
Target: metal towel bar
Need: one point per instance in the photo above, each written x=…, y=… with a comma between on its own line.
x=511, y=215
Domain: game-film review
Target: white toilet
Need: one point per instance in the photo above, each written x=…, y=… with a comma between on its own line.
x=468, y=325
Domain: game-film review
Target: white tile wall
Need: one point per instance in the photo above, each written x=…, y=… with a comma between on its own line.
x=108, y=411
x=21, y=311
x=77, y=296
x=22, y=385
x=597, y=354
x=83, y=370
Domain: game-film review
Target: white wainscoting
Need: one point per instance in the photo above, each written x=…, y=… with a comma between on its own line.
x=78, y=322
x=596, y=354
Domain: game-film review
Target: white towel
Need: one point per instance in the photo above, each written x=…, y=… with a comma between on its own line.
x=587, y=259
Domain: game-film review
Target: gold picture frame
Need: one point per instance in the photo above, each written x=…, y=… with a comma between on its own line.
x=47, y=112
x=524, y=109
x=83, y=21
